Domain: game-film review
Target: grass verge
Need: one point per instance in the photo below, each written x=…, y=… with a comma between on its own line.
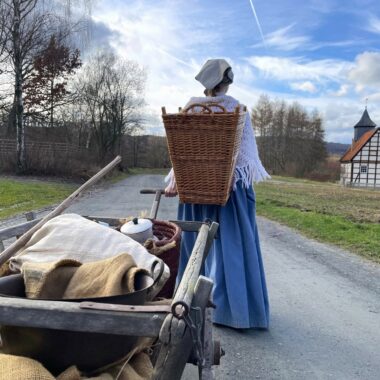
x=349, y=218
x=18, y=196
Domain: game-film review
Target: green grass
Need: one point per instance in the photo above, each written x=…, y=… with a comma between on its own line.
x=349, y=218
x=18, y=196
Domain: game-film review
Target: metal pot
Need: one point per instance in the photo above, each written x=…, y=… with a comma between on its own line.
x=138, y=229
x=59, y=349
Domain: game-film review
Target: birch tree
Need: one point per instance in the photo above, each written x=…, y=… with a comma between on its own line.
x=28, y=25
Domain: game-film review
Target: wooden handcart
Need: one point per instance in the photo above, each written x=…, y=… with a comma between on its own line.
x=183, y=328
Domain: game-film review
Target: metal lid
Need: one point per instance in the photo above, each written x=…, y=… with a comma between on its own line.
x=136, y=226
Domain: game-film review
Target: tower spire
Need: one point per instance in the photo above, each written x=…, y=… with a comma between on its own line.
x=364, y=125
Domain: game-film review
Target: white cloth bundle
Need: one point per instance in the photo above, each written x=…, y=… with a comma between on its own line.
x=70, y=236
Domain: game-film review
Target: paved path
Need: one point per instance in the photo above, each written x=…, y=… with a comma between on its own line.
x=325, y=303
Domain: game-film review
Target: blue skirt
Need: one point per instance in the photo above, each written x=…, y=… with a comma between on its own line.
x=234, y=262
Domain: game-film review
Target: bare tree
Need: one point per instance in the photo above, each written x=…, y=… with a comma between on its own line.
x=262, y=118
x=28, y=25
x=112, y=90
x=290, y=140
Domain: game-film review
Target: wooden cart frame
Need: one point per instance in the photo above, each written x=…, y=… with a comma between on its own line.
x=183, y=329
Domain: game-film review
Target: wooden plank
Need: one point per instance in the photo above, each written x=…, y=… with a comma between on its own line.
x=188, y=226
x=113, y=222
x=10, y=232
x=152, y=308
x=31, y=215
x=210, y=239
x=185, y=290
x=59, y=315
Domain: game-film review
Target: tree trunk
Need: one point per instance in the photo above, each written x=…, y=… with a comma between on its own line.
x=19, y=114
x=52, y=103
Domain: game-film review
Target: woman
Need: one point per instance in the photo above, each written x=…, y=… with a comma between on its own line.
x=234, y=262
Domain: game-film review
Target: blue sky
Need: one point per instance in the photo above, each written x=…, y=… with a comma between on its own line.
x=324, y=54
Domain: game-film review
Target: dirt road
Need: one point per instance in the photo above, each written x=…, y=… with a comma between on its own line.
x=325, y=303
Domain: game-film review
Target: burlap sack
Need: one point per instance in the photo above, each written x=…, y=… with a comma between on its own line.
x=139, y=367
x=69, y=279
x=20, y=368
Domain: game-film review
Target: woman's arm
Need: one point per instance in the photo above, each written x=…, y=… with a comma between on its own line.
x=171, y=188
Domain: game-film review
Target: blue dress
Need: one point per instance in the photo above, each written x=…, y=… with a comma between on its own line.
x=234, y=262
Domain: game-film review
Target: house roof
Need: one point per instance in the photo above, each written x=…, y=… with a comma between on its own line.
x=365, y=121
x=355, y=148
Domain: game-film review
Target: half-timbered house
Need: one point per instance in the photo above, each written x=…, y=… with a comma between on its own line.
x=360, y=165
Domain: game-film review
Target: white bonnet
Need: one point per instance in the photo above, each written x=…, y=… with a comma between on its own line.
x=213, y=72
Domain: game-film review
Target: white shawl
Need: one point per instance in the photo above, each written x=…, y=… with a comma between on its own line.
x=249, y=168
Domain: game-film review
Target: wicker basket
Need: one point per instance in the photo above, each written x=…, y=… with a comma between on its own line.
x=203, y=147
x=167, y=233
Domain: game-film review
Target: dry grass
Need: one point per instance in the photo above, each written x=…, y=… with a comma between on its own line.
x=357, y=205
x=347, y=217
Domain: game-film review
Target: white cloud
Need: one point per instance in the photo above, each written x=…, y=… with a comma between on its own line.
x=374, y=98
x=299, y=68
x=341, y=114
x=157, y=37
x=323, y=44
x=281, y=39
x=284, y=40
x=366, y=71
x=374, y=25
x=304, y=86
x=343, y=90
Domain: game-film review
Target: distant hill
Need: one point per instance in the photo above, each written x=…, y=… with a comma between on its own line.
x=336, y=148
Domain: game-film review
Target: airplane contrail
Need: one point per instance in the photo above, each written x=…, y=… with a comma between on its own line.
x=162, y=51
x=257, y=21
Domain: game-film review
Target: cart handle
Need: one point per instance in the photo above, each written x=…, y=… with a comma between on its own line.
x=156, y=202
x=152, y=191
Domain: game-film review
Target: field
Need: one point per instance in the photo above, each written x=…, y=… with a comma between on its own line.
x=349, y=218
